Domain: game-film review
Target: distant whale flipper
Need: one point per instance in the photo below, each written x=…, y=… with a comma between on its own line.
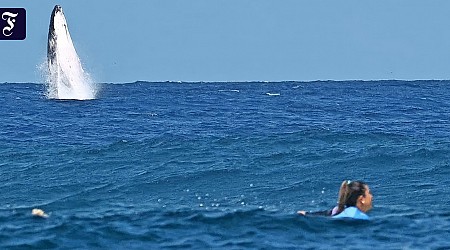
x=66, y=77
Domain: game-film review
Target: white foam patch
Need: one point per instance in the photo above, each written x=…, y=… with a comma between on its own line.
x=229, y=90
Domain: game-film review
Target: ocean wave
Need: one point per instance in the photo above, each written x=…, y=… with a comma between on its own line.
x=220, y=228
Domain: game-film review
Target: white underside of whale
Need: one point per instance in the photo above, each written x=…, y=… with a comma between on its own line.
x=66, y=77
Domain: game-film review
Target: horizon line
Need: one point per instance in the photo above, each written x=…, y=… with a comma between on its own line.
x=256, y=81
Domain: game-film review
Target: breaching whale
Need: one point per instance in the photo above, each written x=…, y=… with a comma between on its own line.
x=66, y=78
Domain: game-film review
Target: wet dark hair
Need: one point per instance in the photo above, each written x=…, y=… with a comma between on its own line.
x=349, y=194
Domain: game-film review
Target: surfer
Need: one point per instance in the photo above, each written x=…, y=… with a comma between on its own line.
x=354, y=201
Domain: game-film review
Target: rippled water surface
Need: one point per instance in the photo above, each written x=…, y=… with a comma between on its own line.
x=225, y=165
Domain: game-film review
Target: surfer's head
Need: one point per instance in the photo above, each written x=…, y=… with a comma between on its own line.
x=354, y=194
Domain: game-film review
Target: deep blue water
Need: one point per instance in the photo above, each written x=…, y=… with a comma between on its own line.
x=225, y=165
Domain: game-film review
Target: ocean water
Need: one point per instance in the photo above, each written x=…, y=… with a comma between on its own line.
x=225, y=165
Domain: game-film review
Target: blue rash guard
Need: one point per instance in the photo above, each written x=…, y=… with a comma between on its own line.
x=352, y=213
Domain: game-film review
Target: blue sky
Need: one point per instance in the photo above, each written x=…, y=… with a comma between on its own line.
x=240, y=40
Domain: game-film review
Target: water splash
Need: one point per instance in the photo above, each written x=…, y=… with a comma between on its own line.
x=65, y=77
